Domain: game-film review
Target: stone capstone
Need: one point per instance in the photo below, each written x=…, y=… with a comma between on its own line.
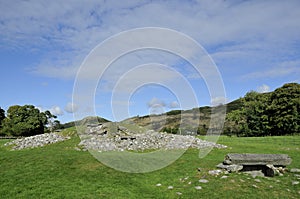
x=256, y=164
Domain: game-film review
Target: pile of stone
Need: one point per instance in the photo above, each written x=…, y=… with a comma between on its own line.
x=100, y=138
x=36, y=141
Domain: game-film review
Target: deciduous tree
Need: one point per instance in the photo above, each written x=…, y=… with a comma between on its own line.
x=25, y=121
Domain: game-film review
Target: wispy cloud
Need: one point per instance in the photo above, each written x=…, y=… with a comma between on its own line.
x=282, y=69
x=218, y=101
x=71, y=107
x=155, y=102
x=227, y=28
x=174, y=104
x=56, y=110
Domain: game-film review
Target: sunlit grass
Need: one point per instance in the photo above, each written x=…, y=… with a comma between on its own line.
x=59, y=171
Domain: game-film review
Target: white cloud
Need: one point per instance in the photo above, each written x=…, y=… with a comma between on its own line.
x=41, y=109
x=218, y=101
x=56, y=110
x=282, y=69
x=227, y=27
x=155, y=102
x=263, y=88
x=123, y=79
x=174, y=104
x=71, y=107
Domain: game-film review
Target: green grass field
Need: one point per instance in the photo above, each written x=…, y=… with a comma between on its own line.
x=59, y=171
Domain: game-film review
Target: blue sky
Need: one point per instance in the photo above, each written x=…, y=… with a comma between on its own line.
x=255, y=45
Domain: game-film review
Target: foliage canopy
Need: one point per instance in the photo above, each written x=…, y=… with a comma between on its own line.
x=262, y=114
x=25, y=121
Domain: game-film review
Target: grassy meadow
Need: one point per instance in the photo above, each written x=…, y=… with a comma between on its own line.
x=59, y=171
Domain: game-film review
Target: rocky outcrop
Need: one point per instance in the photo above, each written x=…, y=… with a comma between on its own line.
x=36, y=141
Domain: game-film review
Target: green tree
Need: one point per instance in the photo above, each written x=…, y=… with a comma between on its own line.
x=25, y=121
x=261, y=114
x=2, y=116
x=236, y=123
x=57, y=124
x=252, y=118
x=256, y=110
x=285, y=108
x=50, y=123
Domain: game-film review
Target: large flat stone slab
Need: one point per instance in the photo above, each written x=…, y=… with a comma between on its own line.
x=257, y=159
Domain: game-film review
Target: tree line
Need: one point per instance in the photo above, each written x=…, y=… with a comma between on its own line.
x=265, y=114
x=256, y=114
x=26, y=120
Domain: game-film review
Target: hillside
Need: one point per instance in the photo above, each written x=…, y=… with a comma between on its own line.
x=84, y=121
x=170, y=121
x=251, y=115
x=255, y=114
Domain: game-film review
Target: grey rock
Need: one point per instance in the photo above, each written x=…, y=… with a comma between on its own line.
x=295, y=182
x=254, y=174
x=170, y=187
x=295, y=170
x=36, y=141
x=203, y=181
x=215, y=172
x=230, y=168
x=224, y=177
x=95, y=139
x=257, y=159
x=198, y=187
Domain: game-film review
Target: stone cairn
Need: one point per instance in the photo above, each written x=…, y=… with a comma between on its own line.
x=256, y=164
x=36, y=141
x=108, y=137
